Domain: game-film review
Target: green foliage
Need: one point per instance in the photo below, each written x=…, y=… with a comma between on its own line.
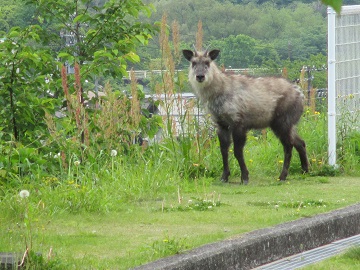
x=293, y=37
x=280, y=27
x=27, y=88
x=335, y=4
x=90, y=29
x=31, y=86
x=15, y=13
x=316, y=63
x=37, y=261
x=26, y=81
x=242, y=51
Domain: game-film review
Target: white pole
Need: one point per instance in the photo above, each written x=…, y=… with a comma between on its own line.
x=331, y=88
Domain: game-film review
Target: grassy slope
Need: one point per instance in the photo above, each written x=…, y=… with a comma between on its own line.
x=142, y=232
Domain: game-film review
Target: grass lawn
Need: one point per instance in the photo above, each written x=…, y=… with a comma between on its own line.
x=146, y=230
x=349, y=260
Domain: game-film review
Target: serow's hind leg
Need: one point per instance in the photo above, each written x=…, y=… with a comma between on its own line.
x=285, y=137
x=300, y=146
x=287, y=158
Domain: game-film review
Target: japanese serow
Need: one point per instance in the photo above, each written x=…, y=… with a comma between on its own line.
x=238, y=103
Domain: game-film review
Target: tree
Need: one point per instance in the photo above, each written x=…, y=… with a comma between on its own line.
x=295, y=30
x=16, y=13
x=315, y=63
x=242, y=51
x=99, y=38
x=25, y=65
x=26, y=83
x=103, y=34
x=26, y=74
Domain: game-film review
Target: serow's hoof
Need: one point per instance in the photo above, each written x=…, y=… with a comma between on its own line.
x=224, y=180
x=225, y=177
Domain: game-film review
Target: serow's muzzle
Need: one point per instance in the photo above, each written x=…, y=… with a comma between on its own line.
x=200, y=78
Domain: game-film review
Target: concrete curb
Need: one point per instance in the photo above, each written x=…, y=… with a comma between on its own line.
x=266, y=245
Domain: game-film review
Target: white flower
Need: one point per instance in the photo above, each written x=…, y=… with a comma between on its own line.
x=76, y=163
x=57, y=155
x=24, y=193
x=113, y=153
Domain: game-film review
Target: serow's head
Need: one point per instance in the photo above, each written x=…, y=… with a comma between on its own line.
x=200, y=62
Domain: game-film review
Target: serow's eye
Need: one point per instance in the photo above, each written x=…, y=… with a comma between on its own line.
x=193, y=64
x=207, y=63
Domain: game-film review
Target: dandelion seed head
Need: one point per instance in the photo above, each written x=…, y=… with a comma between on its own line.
x=24, y=193
x=113, y=153
x=76, y=163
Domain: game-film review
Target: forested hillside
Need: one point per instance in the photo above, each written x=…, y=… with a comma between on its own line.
x=250, y=33
x=296, y=30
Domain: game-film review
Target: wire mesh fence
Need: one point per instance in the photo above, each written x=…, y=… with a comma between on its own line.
x=343, y=76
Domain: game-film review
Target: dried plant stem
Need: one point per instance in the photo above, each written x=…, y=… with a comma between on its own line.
x=199, y=36
x=65, y=87
x=81, y=118
x=176, y=41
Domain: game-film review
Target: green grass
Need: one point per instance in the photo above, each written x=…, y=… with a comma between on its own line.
x=144, y=230
x=349, y=260
x=120, y=211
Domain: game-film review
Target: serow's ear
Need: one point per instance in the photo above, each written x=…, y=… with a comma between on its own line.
x=214, y=54
x=188, y=54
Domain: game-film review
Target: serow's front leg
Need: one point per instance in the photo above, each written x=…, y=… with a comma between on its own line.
x=239, y=138
x=225, y=141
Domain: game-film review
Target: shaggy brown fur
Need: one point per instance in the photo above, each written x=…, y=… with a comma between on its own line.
x=238, y=103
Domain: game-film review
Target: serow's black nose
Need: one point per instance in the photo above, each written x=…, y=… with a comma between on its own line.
x=200, y=78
